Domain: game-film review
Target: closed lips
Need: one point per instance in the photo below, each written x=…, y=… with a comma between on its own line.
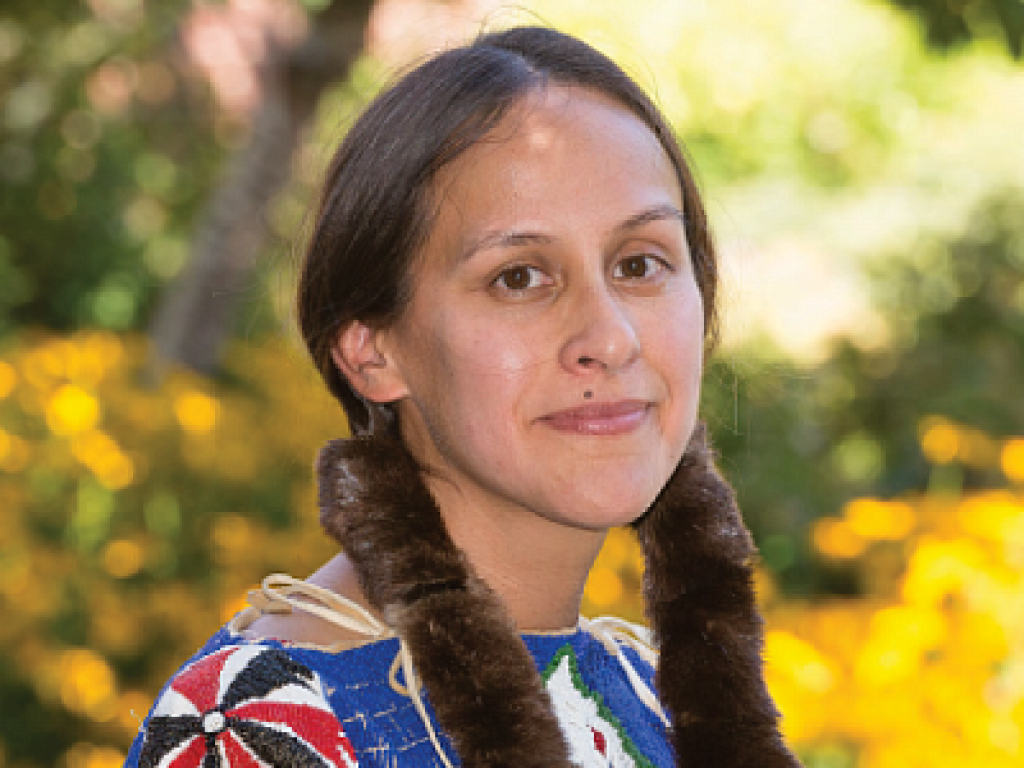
x=600, y=418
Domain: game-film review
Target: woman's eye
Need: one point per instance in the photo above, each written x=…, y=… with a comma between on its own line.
x=639, y=267
x=520, y=278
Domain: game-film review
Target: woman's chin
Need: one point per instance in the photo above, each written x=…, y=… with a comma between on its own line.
x=602, y=516
x=615, y=499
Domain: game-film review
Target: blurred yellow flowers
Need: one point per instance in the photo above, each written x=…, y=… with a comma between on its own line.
x=923, y=666
x=926, y=668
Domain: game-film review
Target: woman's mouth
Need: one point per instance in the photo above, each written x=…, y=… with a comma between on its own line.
x=615, y=418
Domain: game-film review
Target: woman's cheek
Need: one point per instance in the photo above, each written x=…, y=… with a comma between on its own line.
x=496, y=349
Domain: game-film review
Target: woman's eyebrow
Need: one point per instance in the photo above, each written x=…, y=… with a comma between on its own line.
x=516, y=238
x=506, y=239
x=657, y=213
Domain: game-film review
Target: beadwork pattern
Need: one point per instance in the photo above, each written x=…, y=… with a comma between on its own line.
x=245, y=703
x=595, y=735
x=245, y=706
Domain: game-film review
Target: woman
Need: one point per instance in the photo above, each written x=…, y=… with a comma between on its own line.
x=509, y=289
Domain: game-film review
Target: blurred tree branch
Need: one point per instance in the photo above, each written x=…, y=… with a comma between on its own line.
x=953, y=22
x=194, y=319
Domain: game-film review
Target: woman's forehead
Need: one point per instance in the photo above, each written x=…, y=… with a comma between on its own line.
x=555, y=151
x=547, y=115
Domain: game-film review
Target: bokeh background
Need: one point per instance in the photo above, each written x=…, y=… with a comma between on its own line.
x=863, y=161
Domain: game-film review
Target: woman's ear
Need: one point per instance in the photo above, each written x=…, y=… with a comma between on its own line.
x=369, y=370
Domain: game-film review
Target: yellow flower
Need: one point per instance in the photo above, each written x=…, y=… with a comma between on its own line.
x=71, y=410
x=876, y=519
x=786, y=654
x=940, y=440
x=8, y=378
x=604, y=587
x=1012, y=459
x=122, y=559
x=197, y=413
x=993, y=515
x=836, y=538
x=88, y=684
x=939, y=569
x=99, y=452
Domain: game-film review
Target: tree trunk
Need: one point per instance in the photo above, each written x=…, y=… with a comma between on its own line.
x=193, y=322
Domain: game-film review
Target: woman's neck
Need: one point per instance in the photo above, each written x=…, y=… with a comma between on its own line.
x=540, y=583
x=538, y=567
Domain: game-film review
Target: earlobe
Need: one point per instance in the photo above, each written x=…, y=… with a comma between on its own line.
x=369, y=370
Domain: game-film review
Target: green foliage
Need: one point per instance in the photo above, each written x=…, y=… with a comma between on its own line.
x=956, y=312
x=106, y=152
x=799, y=441
x=955, y=22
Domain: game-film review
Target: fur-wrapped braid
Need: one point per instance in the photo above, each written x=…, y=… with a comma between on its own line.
x=494, y=708
x=700, y=599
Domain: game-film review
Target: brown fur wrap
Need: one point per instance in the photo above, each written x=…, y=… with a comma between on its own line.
x=699, y=590
x=480, y=678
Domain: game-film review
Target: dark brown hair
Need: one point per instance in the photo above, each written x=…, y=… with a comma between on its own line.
x=376, y=208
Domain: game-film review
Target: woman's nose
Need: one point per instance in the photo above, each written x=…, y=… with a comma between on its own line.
x=602, y=335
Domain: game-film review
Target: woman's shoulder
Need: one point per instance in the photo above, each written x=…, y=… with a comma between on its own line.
x=297, y=629
x=236, y=701
x=327, y=611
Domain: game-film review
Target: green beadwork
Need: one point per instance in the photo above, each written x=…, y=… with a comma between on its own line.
x=603, y=711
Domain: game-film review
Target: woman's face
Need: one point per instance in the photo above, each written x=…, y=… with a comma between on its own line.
x=550, y=357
